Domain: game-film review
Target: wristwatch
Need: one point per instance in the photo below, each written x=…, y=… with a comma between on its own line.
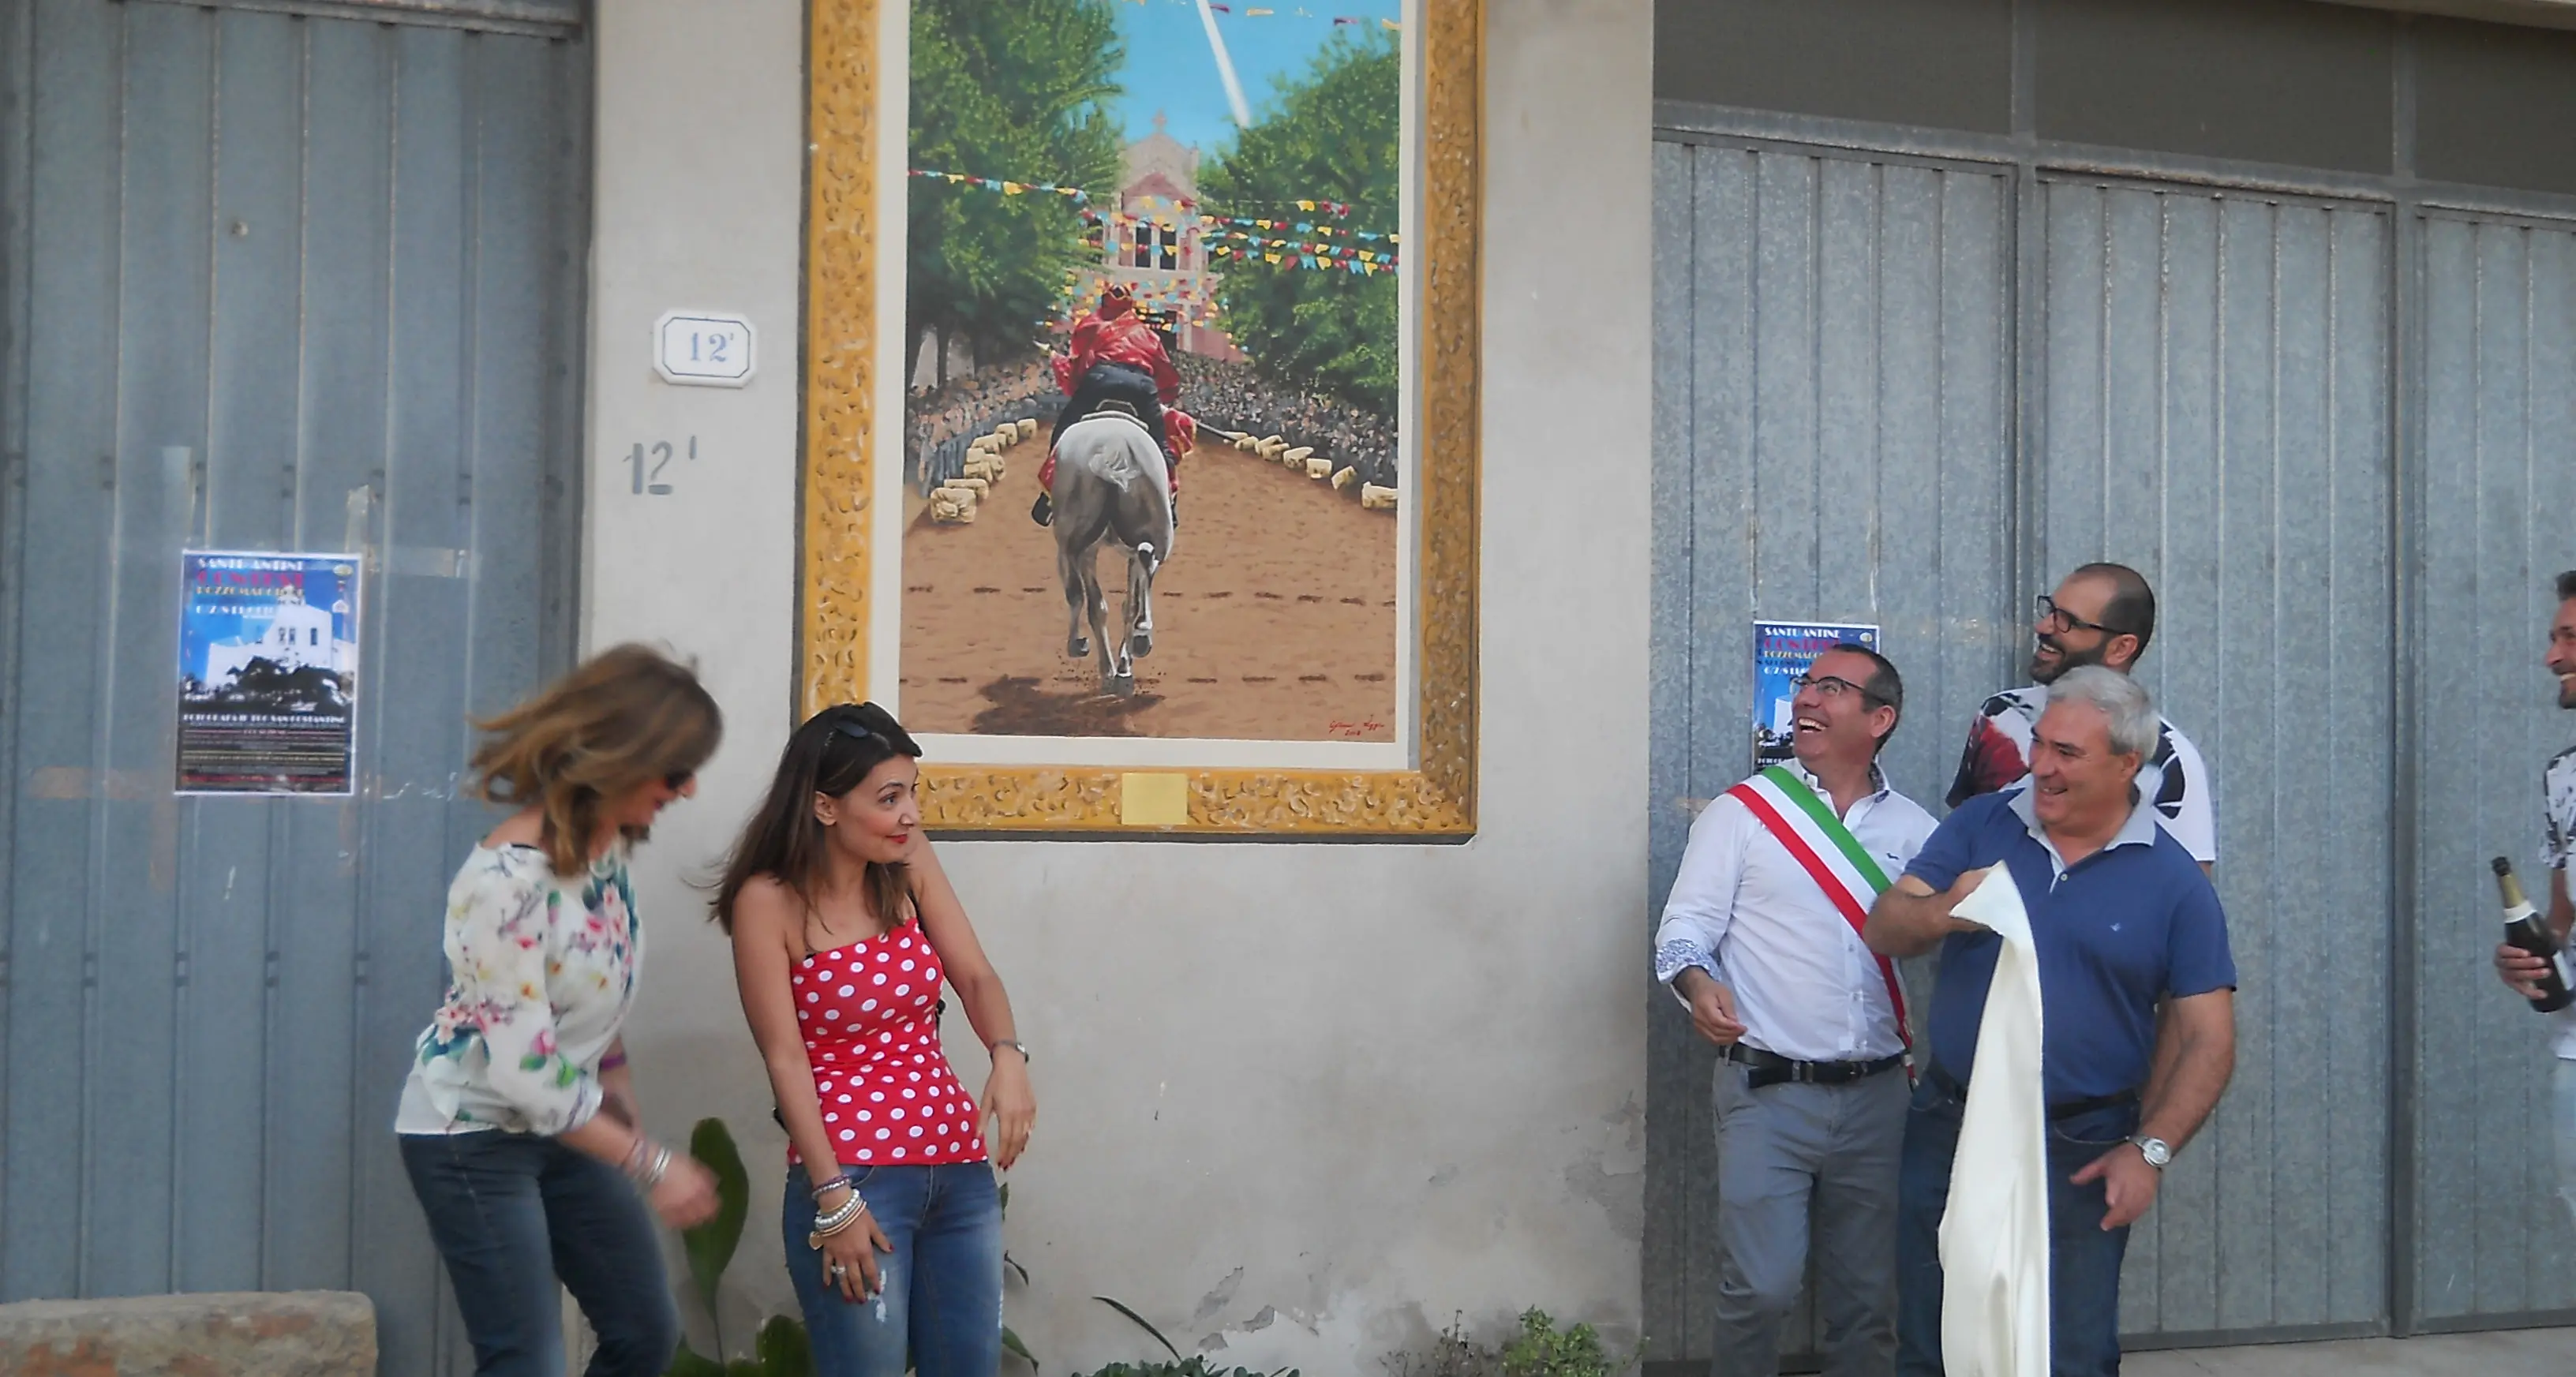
x=2156, y=1150
x=1020, y=1048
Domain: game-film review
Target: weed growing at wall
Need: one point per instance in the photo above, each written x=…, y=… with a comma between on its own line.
x=1537, y=1349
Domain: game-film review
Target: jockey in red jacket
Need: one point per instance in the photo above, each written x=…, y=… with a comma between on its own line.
x=1117, y=357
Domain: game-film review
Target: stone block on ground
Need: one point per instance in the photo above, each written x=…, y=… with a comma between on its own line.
x=224, y=1334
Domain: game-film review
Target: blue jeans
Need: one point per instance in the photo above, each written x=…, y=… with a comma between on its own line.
x=512, y=1213
x=942, y=1296
x=2083, y=1257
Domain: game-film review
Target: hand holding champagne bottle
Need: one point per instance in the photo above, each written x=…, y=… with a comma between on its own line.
x=2531, y=959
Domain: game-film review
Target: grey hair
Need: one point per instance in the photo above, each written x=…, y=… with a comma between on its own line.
x=2123, y=700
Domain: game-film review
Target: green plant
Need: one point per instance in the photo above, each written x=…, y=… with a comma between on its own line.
x=780, y=1348
x=1543, y=1350
x=1536, y=1349
x=1452, y=1354
x=1193, y=1367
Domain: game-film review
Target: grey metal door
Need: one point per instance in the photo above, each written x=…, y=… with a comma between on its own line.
x=1832, y=423
x=2499, y=520
x=284, y=283
x=2212, y=407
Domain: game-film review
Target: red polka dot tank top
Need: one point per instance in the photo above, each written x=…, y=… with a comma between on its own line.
x=872, y=1037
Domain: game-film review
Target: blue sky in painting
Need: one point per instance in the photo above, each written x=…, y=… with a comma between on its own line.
x=1170, y=68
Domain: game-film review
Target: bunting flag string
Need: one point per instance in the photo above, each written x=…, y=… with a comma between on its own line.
x=1237, y=241
x=1311, y=205
x=1207, y=222
x=1233, y=246
x=1306, y=256
x=1008, y=187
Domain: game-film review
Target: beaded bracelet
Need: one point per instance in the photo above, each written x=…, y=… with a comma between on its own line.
x=836, y=1221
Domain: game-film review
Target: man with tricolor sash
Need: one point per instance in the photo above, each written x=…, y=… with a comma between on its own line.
x=1761, y=940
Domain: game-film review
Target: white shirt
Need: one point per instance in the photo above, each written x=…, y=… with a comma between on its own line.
x=2558, y=853
x=2172, y=777
x=1744, y=910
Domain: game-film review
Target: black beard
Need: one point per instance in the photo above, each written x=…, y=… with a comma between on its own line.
x=2066, y=660
x=2567, y=696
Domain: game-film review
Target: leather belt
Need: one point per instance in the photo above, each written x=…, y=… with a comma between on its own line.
x=1125, y=409
x=1770, y=1068
x=2064, y=1109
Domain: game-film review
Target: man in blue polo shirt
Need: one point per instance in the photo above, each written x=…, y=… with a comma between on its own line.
x=2121, y=917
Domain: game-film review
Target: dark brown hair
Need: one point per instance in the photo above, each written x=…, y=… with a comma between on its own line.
x=1885, y=687
x=2131, y=608
x=622, y=719
x=832, y=754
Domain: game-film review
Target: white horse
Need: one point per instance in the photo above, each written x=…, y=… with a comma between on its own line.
x=1111, y=485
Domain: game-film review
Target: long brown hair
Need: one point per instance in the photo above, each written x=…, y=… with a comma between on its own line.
x=626, y=717
x=832, y=754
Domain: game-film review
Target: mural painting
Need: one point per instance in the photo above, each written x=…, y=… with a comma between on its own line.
x=1154, y=355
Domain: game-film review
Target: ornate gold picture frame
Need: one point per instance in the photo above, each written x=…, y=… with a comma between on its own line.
x=1435, y=799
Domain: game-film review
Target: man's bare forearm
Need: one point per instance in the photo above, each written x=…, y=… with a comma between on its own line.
x=1908, y=920
x=2195, y=1058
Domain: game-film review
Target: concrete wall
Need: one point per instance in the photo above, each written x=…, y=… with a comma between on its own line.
x=1306, y=1101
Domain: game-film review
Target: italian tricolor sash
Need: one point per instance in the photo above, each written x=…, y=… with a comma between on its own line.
x=1829, y=853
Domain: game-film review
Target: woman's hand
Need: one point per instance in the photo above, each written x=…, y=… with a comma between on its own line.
x=686, y=1194
x=1010, y=1105
x=849, y=1258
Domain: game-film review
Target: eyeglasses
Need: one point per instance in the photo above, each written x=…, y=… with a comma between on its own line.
x=1835, y=686
x=2050, y=614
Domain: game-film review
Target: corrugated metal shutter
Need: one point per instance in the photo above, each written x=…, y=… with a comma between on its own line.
x=2499, y=520
x=274, y=283
x=1832, y=426
x=2215, y=412
x=542, y=18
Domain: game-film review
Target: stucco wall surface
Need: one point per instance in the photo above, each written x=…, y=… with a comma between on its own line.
x=1297, y=1103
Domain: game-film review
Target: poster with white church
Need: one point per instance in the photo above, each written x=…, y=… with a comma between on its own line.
x=268, y=665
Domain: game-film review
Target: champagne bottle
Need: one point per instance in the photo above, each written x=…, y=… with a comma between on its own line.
x=2523, y=928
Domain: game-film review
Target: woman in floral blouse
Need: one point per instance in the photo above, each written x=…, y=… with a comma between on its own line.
x=518, y=1124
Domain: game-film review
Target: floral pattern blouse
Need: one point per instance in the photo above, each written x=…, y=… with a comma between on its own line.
x=541, y=970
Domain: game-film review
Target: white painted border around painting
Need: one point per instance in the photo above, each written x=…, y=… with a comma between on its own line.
x=885, y=624
x=885, y=549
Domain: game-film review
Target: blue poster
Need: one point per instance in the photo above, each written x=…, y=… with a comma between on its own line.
x=268, y=673
x=1781, y=652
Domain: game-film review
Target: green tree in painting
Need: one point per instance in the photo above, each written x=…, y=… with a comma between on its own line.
x=1016, y=92
x=1329, y=135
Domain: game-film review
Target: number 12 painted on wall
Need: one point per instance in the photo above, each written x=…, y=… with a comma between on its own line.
x=647, y=476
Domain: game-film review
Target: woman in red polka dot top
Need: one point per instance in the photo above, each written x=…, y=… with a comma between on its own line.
x=843, y=928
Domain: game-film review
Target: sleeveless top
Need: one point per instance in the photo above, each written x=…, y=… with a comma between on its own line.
x=868, y=1014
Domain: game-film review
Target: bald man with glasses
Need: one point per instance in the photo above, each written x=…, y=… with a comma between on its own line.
x=1761, y=941
x=2102, y=614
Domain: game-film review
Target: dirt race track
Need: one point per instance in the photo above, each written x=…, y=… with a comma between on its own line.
x=1273, y=620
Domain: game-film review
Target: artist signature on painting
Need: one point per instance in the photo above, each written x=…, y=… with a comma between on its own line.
x=1362, y=728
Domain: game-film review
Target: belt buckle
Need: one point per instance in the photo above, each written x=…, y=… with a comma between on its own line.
x=1803, y=1072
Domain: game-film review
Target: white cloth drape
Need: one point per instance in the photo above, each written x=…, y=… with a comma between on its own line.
x=1994, y=1235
